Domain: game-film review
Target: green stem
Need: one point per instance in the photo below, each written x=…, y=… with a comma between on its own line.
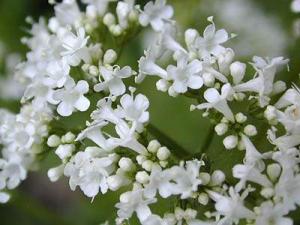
x=164, y=139
x=207, y=142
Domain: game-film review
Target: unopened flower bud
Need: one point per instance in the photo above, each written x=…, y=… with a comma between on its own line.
x=126, y=164
x=142, y=177
x=203, y=199
x=109, y=19
x=68, y=137
x=208, y=79
x=190, y=36
x=217, y=178
x=279, y=87
x=110, y=56
x=114, y=182
x=274, y=171
x=53, y=141
x=270, y=113
x=205, y=178
x=162, y=85
x=230, y=142
x=65, y=151
x=147, y=165
x=250, y=130
x=93, y=70
x=116, y=30
x=55, y=173
x=240, y=118
x=267, y=192
x=221, y=129
x=237, y=71
x=140, y=159
x=163, y=153
x=153, y=146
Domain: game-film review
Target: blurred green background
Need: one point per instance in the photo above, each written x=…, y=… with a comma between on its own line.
x=267, y=25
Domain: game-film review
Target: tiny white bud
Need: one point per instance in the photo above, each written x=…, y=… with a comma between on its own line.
x=55, y=173
x=239, y=96
x=68, y=137
x=110, y=56
x=208, y=79
x=133, y=16
x=142, y=177
x=221, y=129
x=237, y=71
x=230, y=142
x=153, y=146
x=116, y=30
x=205, y=178
x=109, y=19
x=190, y=214
x=250, y=130
x=125, y=197
x=163, y=153
x=279, y=86
x=114, y=182
x=93, y=70
x=217, y=178
x=162, y=85
x=140, y=159
x=65, y=151
x=126, y=164
x=147, y=165
x=203, y=199
x=190, y=36
x=274, y=171
x=229, y=55
x=172, y=92
x=53, y=141
x=85, y=67
x=53, y=24
x=267, y=192
x=163, y=164
x=270, y=113
x=240, y=118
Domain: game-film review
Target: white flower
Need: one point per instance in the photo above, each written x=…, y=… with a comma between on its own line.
x=89, y=170
x=134, y=201
x=270, y=214
x=134, y=109
x=232, y=206
x=75, y=46
x=156, y=14
x=148, y=66
x=249, y=173
x=71, y=97
x=218, y=101
x=186, y=179
x=124, y=8
x=57, y=73
x=159, y=181
x=99, y=5
x=185, y=75
x=295, y=6
x=67, y=12
x=262, y=84
x=113, y=80
x=211, y=41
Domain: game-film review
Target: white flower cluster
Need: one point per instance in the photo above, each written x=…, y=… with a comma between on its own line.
x=71, y=63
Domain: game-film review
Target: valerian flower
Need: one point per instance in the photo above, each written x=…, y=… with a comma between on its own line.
x=156, y=14
x=72, y=98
